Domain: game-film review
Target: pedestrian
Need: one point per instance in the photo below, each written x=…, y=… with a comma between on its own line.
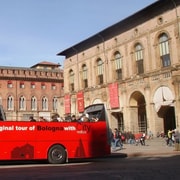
x=142, y=139
x=176, y=139
x=169, y=138
x=150, y=135
x=176, y=136
x=117, y=139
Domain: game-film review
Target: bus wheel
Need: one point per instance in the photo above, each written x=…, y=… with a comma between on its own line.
x=57, y=155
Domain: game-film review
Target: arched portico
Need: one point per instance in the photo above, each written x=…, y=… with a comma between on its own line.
x=164, y=105
x=137, y=110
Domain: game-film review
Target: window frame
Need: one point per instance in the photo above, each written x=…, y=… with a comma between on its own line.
x=139, y=58
x=164, y=50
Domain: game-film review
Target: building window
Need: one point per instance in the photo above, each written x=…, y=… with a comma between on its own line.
x=9, y=84
x=33, y=85
x=53, y=86
x=164, y=50
x=139, y=58
x=21, y=85
x=43, y=86
x=85, y=76
x=44, y=104
x=22, y=103
x=33, y=103
x=55, y=104
x=118, y=65
x=99, y=72
x=10, y=103
x=71, y=79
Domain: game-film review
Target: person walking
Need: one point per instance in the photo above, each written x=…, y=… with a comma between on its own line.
x=117, y=139
x=142, y=139
x=176, y=139
x=169, y=138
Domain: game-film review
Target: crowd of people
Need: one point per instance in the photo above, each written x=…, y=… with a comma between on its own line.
x=119, y=138
x=56, y=118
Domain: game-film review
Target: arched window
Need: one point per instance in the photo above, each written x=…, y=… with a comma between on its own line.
x=139, y=58
x=44, y=104
x=100, y=71
x=164, y=50
x=22, y=103
x=71, y=79
x=33, y=103
x=55, y=104
x=85, y=76
x=10, y=103
x=118, y=65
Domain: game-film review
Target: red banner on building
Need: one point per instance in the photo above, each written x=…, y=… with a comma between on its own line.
x=113, y=95
x=67, y=102
x=80, y=101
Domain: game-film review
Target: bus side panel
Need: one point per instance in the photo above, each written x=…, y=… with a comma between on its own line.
x=91, y=140
x=81, y=140
x=17, y=151
x=32, y=140
x=17, y=141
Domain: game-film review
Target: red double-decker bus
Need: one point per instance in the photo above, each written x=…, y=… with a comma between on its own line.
x=56, y=141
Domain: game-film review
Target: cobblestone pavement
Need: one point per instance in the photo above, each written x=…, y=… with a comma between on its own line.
x=155, y=146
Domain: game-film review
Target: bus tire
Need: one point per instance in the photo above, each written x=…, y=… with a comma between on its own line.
x=57, y=155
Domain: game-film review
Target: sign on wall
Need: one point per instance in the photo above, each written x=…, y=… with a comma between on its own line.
x=80, y=101
x=113, y=95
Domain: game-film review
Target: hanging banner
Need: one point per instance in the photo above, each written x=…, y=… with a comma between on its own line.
x=67, y=100
x=80, y=101
x=113, y=95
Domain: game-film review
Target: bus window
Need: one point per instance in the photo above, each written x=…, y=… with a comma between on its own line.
x=96, y=111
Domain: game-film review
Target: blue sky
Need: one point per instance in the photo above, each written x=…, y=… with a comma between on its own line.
x=32, y=31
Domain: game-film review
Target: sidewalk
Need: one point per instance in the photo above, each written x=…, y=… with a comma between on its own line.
x=153, y=147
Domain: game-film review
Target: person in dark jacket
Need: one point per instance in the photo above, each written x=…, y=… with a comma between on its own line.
x=31, y=119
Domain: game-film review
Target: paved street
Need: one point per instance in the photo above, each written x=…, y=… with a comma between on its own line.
x=155, y=146
x=151, y=162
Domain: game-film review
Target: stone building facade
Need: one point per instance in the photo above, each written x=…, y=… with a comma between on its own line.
x=133, y=67
x=33, y=91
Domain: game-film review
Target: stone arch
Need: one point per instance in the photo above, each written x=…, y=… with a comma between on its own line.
x=163, y=100
x=97, y=101
x=156, y=40
x=163, y=97
x=117, y=120
x=137, y=107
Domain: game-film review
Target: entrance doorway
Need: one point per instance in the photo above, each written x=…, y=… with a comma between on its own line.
x=164, y=106
x=169, y=120
x=118, y=116
x=138, y=112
